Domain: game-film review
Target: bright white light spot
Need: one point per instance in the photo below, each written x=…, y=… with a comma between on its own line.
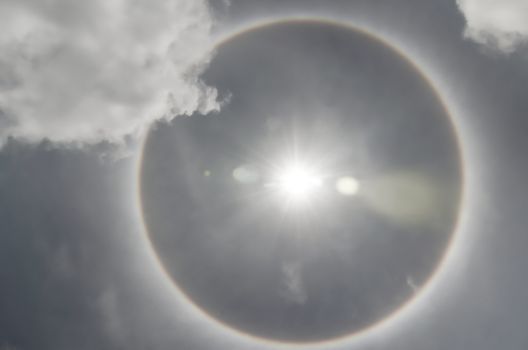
x=298, y=182
x=347, y=186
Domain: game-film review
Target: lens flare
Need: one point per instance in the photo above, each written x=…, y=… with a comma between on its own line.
x=347, y=186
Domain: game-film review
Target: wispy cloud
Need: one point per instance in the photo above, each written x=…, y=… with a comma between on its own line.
x=292, y=288
x=87, y=71
x=502, y=25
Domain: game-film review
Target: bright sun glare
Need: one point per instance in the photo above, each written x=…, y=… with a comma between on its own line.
x=298, y=182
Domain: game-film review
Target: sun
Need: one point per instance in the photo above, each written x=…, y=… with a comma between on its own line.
x=298, y=182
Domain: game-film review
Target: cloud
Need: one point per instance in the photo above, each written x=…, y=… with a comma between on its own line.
x=293, y=288
x=6, y=346
x=502, y=25
x=109, y=309
x=88, y=71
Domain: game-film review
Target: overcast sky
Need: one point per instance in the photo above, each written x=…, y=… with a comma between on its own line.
x=81, y=83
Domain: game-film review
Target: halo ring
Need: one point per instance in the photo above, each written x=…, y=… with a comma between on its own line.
x=461, y=205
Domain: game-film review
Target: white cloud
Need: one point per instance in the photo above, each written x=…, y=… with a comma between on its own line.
x=87, y=71
x=501, y=24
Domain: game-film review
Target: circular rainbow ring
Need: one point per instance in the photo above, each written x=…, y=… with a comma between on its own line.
x=227, y=329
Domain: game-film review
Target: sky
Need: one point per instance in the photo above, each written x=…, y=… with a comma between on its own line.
x=137, y=155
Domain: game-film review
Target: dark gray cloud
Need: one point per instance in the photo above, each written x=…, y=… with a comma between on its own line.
x=73, y=271
x=51, y=236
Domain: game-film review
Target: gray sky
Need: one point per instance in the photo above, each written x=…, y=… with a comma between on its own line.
x=75, y=269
